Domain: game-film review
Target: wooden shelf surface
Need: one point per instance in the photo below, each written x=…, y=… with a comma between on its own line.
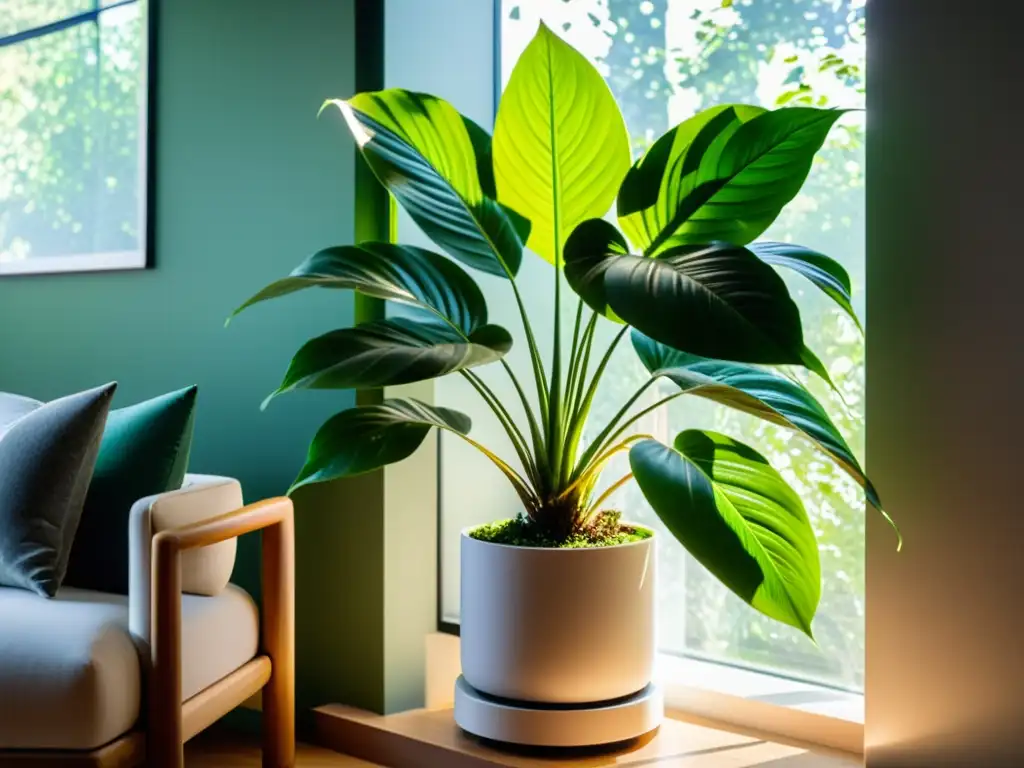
x=431, y=738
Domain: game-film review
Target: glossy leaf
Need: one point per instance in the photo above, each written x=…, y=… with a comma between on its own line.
x=437, y=165
x=765, y=394
x=560, y=143
x=825, y=272
x=716, y=301
x=725, y=176
x=368, y=437
x=737, y=516
x=591, y=249
x=813, y=363
x=653, y=192
x=401, y=273
x=390, y=352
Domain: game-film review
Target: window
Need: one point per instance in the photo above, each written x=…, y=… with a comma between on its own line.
x=664, y=60
x=73, y=128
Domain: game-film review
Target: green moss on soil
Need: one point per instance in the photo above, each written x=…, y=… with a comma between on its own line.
x=520, y=532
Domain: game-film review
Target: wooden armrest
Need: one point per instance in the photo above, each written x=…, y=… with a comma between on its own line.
x=274, y=517
x=262, y=514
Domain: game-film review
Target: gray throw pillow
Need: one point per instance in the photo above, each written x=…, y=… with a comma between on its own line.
x=47, y=454
x=13, y=407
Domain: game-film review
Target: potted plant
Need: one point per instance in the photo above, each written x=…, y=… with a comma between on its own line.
x=557, y=603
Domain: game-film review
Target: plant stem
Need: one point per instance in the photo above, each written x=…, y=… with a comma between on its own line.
x=615, y=436
x=580, y=416
x=574, y=353
x=610, y=490
x=592, y=390
x=518, y=441
x=522, y=488
x=538, y=366
x=538, y=442
x=598, y=464
x=535, y=432
x=599, y=441
x=580, y=346
x=584, y=363
x=555, y=408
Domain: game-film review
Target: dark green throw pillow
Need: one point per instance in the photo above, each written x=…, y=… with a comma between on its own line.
x=47, y=452
x=144, y=451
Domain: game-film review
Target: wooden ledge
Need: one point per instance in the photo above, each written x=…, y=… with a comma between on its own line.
x=431, y=738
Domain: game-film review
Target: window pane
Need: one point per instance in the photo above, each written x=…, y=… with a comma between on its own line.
x=21, y=15
x=664, y=60
x=71, y=124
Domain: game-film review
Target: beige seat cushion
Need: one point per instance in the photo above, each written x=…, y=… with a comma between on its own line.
x=70, y=672
x=218, y=635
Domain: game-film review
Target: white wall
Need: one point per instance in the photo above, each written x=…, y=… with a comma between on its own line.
x=945, y=650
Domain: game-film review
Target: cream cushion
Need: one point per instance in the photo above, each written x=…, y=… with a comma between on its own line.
x=204, y=571
x=70, y=671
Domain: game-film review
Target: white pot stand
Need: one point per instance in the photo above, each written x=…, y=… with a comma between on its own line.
x=557, y=725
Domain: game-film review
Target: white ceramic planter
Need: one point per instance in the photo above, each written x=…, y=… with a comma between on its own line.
x=558, y=626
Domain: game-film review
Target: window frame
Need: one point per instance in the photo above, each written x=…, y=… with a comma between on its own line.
x=109, y=261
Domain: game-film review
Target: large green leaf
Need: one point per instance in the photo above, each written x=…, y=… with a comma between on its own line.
x=765, y=394
x=737, y=516
x=590, y=250
x=368, y=437
x=560, y=144
x=725, y=175
x=716, y=301
x=651, y=197
x=400, y=273
x=825, y=272
x=390, y=352
x=437, y=165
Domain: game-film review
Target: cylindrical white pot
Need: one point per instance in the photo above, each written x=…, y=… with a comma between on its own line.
x=559, y=626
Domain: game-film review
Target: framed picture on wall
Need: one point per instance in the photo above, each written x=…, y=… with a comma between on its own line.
x=76, y=135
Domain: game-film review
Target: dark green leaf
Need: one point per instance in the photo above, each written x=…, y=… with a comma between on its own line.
x=436, y=164
x=749, y=165
x=813, y=363
x=368, y=437
x=826, y=273
x=737, y=516
x=591, y=249
x=396, y=272
x=390, y=352
x=759, y=170
x=481, y=141
x=651, y=199
x=560, y=144
x=765, y=394
x=716, y=301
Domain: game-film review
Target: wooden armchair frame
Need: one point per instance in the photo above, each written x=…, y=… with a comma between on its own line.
x=171, y=722
x=168, y=722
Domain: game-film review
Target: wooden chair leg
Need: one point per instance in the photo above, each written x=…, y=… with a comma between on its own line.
x=164, y=746
x=278, y=630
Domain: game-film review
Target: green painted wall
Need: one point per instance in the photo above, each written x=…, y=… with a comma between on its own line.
x=248, y=183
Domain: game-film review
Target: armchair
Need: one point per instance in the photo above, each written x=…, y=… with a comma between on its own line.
x=89, y=678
